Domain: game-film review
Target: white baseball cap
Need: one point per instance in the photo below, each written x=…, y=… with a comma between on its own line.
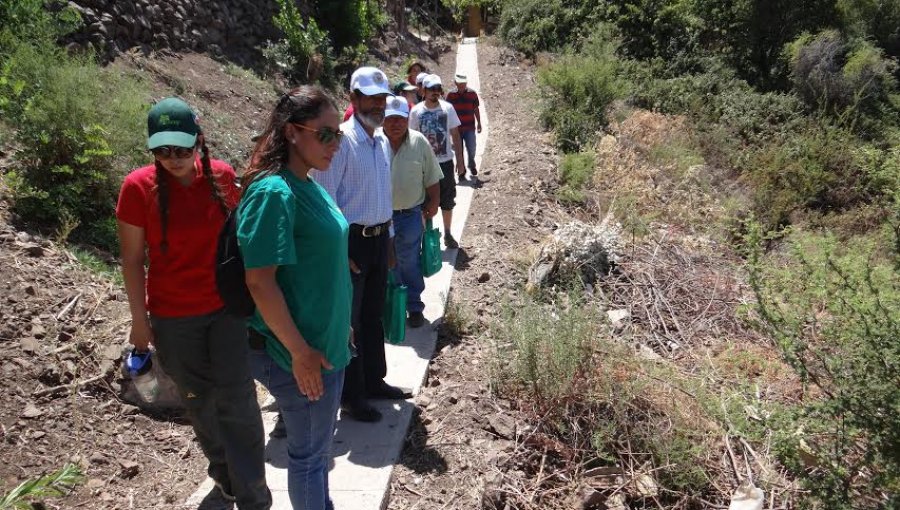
x=370, y=81
x=432, y=80
x=397, y=106
x=460, y=78
x=420, y=78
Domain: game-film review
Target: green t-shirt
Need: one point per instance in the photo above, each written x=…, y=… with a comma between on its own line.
x=293, y=224
x=413, y=168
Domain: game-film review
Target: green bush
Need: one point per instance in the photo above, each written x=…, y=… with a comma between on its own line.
x=575, y=173
x=834, y=311
x=576, y=91
x=844, y=77
x=77, y=127
x=305, y=53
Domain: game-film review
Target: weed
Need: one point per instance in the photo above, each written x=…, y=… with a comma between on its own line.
x=97, y=263
x=58, y=483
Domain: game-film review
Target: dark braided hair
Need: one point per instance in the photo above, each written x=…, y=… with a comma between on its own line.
x=162, y=196
x=162, y=191
x=270, y=155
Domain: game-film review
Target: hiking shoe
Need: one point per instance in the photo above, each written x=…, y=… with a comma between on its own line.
x=415, y=320
x=473, y=171
x=450, y=243
x=280, y=430
x=385, y=391
x=360, y=410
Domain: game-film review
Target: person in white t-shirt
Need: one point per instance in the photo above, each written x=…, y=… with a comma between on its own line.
x=437, y=120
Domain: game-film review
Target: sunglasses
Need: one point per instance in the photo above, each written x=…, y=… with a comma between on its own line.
x=168, y=151
x=325, y=134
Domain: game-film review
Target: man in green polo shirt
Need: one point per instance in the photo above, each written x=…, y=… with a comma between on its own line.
x=415, y=178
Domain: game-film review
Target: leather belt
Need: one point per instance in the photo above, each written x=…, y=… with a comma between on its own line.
x=371, y=230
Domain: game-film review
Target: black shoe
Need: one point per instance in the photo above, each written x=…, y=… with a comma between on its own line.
x=462, y=178
x=473, y=171
x=360, y=410
x=415, y=320
x=388, y=392
x=280, y=430
x=450, y=243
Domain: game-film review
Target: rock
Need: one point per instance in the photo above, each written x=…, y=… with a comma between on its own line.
x=31, y=411
x=33, y=249
x=484, y=277
x=94, y=483
x=98, y=458
x=502, y=425
x=29, y=345
x=618, y=318
x=130, y=468
x=38, y=331
x=592, y=499
x=30, y=290
x=579, y=249
x=648, y=353
x=23, y=237
x=645, y=486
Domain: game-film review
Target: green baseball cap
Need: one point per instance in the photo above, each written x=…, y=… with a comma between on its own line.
x=402, y=86
x=172, y=122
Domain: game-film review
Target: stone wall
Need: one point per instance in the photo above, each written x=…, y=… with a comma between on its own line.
x=236, y=28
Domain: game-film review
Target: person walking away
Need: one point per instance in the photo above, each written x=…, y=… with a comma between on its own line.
x=173, y=210
x=415, y=181
x=293, y=240
x=465, y=102
x=437, y=120
x=359, y=180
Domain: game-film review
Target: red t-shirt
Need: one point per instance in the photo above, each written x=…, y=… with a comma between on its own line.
x=180, y=282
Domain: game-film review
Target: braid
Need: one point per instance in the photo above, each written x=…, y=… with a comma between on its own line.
x=162, y=195
x=213, y=184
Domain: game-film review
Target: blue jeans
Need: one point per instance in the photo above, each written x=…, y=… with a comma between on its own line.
x=408, y=231
x=468, y=138
x=310, y=430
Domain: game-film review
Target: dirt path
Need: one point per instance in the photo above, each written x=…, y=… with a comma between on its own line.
x=459, y=430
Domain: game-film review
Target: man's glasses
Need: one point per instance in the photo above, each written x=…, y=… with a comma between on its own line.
x=325, y=134
x=168, y=151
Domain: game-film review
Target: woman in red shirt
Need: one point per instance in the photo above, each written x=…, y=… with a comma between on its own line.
x=173, y=210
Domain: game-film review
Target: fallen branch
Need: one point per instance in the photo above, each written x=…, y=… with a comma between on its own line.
x=70, y=386
x=69, y=306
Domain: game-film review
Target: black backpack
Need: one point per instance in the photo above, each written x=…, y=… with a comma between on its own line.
x=230, y=271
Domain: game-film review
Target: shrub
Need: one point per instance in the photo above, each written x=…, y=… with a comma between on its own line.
x=841, y=76
x=834, y=312
x=77, y=126
x=305, y=54
x=575, y=173
x=576, y=91
x=813, y=168
x=531, y=26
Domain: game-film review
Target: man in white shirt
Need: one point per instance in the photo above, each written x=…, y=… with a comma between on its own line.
x=359, y=180
x=437, y=120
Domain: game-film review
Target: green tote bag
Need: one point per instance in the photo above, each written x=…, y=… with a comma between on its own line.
x=431, y=250
x=393, y=316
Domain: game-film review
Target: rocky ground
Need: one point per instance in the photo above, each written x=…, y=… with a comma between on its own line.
x=460, y=431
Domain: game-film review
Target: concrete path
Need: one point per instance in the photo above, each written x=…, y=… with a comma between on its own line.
x=365, y=454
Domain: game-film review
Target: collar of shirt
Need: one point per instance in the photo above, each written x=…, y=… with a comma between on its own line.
x=358, y=132
x=389, y=147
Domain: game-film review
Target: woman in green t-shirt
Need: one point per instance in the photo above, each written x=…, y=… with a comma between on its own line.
x=293, y=240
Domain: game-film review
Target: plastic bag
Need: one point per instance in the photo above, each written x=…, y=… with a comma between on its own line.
x=431, y=250
x=393, y=316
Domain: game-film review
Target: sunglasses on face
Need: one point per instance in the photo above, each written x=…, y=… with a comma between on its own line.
x=325, y=134
x=169, y=151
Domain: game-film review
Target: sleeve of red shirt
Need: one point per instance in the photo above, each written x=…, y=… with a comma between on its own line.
x=227, y=179
x=131, y=207
x=477, y=102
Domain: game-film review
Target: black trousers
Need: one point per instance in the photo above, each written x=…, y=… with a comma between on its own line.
x=207, y=357
x=369, y=367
